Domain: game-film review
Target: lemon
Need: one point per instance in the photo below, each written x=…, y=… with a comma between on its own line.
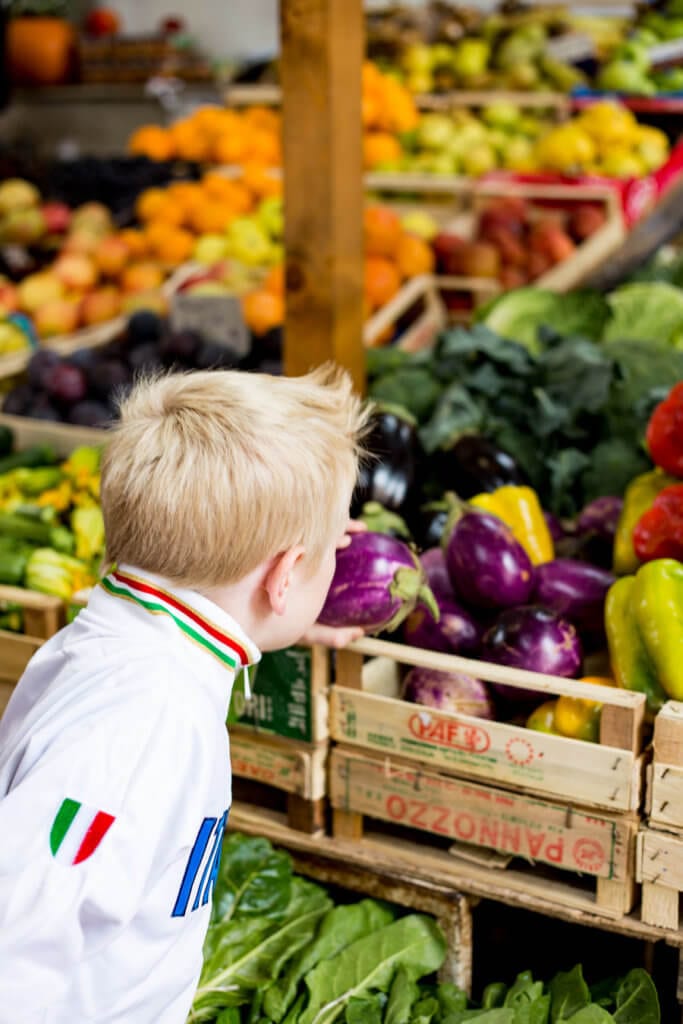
x=652, y=146
x=623, y=163
x=608, y=122
x=566, y=148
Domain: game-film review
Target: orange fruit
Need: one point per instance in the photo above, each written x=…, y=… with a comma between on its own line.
x=173, y=247
x=380, y=148
x=188, y=195
x=275, y=280
x=381, y=230
x=382, y=281
x=135, y=241
x=262, y=310
x=142, y=277
x=262, y=117
x=230, y=148
x=264, y=147
x=148, y=202
x=229, y=191
x=152, y=141
x=414, y=256
x=261, y=181
x=168, y=212
x=189, y=141
x=212, y=217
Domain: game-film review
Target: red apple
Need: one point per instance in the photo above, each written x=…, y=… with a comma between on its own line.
x=57, y=217
x=477, y=259
x=549, y=238
x=445, y=245
x=76, y=271
x=102, y=22
x=101, y=305
x=586, y=219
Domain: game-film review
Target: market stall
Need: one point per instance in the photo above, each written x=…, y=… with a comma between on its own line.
x=506, y=755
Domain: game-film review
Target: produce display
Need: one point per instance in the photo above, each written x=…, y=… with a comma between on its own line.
x=279, y=949
x=605, y=140
x=83, y=388
x=51, y=527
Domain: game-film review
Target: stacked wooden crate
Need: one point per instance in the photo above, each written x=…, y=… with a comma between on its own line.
x=568, y=808
x=660, y=839
x=279, y=736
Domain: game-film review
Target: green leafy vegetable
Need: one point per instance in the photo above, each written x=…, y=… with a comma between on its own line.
x=403, y=994
x=637, y=1000
x=414, y=943
x=519, y=314
x=339, y=928
x=646, y=312
x=569, y=994
x=365, y=1010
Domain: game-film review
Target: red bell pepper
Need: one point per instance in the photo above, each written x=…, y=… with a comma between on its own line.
x=659, y=531
x=665, y=433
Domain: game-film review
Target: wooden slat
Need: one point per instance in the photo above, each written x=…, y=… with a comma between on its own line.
x=284, y=765
x=668, y=734
x=61, y=436
x=665, y=785
x=322, y=52
x=660, y=869
x=534, y=829
x=15, y=653
x=508, y=755
x=6, y=690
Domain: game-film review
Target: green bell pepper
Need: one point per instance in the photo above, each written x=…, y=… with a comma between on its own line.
x=657, y=600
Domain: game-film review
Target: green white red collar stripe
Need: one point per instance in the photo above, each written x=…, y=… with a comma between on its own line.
x=194, y=626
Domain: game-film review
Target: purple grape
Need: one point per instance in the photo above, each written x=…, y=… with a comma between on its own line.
x=89, y=414
x=41, y=366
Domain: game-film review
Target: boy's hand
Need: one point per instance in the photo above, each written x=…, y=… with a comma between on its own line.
x=332, y=636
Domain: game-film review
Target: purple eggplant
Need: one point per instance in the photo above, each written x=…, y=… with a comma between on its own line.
x=532, y=638
x=557, y=530
x=433, y=562
x=377, y=582
x=455, y=631
x=488, y=567
x=448, y=691
x=575, y=590
x=600, y=517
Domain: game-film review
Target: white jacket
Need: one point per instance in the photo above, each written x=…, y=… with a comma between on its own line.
x=114, y=793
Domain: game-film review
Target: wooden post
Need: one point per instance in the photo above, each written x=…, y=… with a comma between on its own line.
x=320, y=70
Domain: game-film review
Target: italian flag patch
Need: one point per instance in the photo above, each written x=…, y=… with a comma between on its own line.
x=77, y=831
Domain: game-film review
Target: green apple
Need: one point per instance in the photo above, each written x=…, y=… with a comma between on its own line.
x=271, y=216
x=435, y=131
x=420, y=223
x=210, y=249
x=418, y=59
x=471, y=57
x=501, y=114
x=480, y=159
x=248, y=242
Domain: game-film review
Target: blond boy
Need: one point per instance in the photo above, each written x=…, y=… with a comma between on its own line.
x=224, y=498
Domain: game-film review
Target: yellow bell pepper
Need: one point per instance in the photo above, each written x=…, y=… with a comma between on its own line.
x=521, y=510
x=579, y=718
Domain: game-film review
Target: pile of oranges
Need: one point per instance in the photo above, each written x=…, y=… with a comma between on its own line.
x=252, y=138
x=172, y=218
x=392, y=256
x=388, y=111
x=213, y=135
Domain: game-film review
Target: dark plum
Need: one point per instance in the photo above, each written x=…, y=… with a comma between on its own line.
x=67, y=384
x=41, y=365
x=145, y=358
x=212, y=356
x=89, y=414
x=18, y=400
x=43, y=409
x=180, y=347
x=85, y=358
x=109, y=377
x=144, y=326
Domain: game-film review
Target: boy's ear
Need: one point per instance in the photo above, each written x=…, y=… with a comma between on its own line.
x=279, y=578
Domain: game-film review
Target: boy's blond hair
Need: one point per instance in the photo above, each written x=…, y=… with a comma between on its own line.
x=207, y=475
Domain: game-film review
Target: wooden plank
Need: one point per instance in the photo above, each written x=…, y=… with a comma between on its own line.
x=529, y=888
x=508, y=755
x=660, y=869
x=61, y=436
x=665, y=797
x=537, y=830
x=6, y=690
x=15, y=653
x=668, y=734
x=322, y=52
x=285, y=766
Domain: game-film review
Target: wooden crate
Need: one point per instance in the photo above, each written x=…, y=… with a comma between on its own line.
x=665, y=775
x=293, y=775
x=289, y=696
x=659, y=867
x=61, y=436
x=605, y=776
x=43, y=616
x=429, y=805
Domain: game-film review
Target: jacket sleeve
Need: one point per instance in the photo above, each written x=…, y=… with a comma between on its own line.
x=82, y=832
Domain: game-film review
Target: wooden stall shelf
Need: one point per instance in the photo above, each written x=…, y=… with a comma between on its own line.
x=43, y=615
x=659, y=867
x=267, y=770
x=665, y=777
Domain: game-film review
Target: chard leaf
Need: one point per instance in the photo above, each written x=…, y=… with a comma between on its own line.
x=245, y=959
x=231, y=1015
x=414, y=942
x=425, y=1011
x=402, y=995
x=637, y=1000
x=254, y=879
x=364, y=1010
x=451, y=998
x=569, y=994
x=494, y=995
x=502, y=1015
x=524, y=990
x=535, y=1012
x=339, y=928
x=591, y=1015
x=295, y=1012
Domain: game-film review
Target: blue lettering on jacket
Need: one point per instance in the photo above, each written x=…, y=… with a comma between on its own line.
x=199, y=861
